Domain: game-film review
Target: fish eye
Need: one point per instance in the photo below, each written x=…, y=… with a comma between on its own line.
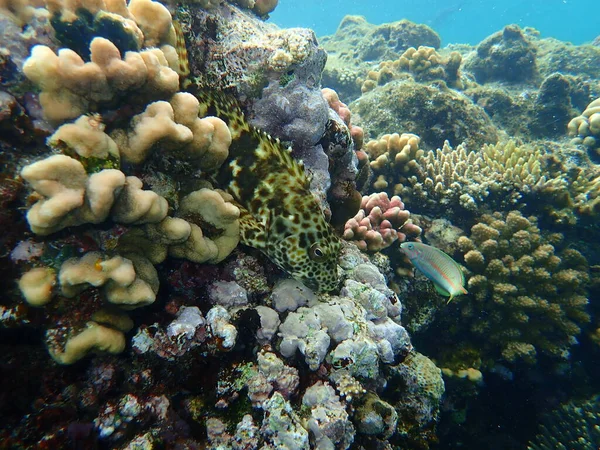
x=315, y=252
x=410, y=246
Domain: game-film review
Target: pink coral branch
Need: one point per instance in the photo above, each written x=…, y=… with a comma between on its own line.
x=378, y=223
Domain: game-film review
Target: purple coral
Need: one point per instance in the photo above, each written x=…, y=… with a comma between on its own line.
x=379, y=223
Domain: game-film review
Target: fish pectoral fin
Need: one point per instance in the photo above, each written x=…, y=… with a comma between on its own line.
x=252, y=232
x=441, y=290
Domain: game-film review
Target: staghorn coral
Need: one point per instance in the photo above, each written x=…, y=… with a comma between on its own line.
x=379, y=223
x=533, y=295
x=423, y=64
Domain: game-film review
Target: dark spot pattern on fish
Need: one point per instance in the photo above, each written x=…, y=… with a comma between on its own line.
x=280, y=216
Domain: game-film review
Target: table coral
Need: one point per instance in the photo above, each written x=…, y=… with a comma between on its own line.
x=534, y=294
x=380, y=222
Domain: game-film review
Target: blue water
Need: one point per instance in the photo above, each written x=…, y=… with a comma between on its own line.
x=576, y=21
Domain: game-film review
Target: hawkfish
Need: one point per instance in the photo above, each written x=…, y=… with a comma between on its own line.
x=446, y=274
x=278, y=213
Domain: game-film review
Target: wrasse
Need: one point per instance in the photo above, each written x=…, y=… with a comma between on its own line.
x=446, y=274
x=278, y=213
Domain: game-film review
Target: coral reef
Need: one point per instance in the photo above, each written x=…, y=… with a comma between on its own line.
x=142, y=142
x=434, y=113
x=585, y=128
x=380, y=222
x=573, y=425
x=508, y=55
x=357, y=45
x=534, y=293
x=423, y=64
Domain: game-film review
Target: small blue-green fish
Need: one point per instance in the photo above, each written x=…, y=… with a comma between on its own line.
x=447, y=276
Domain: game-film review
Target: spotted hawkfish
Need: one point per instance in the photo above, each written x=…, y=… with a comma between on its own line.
x=447, y=276
x=279, y=214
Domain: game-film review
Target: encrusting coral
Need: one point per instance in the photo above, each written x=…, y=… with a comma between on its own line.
x=534, y=296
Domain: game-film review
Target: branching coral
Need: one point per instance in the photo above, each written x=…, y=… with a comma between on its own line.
x=423, y=64
x=379, y=223
x=527, y=297
x=572, y=426
x=496, y=176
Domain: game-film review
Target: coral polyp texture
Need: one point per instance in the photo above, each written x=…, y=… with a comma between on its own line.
x=533, y=292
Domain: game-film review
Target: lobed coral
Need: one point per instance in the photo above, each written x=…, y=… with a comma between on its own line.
x=534, y=295
x=71, y=87
x=379, y=223
x=423, y=64
x=585, y=128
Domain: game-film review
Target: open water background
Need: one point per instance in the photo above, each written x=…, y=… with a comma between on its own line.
x=457, y=21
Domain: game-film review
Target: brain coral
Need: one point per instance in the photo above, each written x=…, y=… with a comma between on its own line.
x=527, y=298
